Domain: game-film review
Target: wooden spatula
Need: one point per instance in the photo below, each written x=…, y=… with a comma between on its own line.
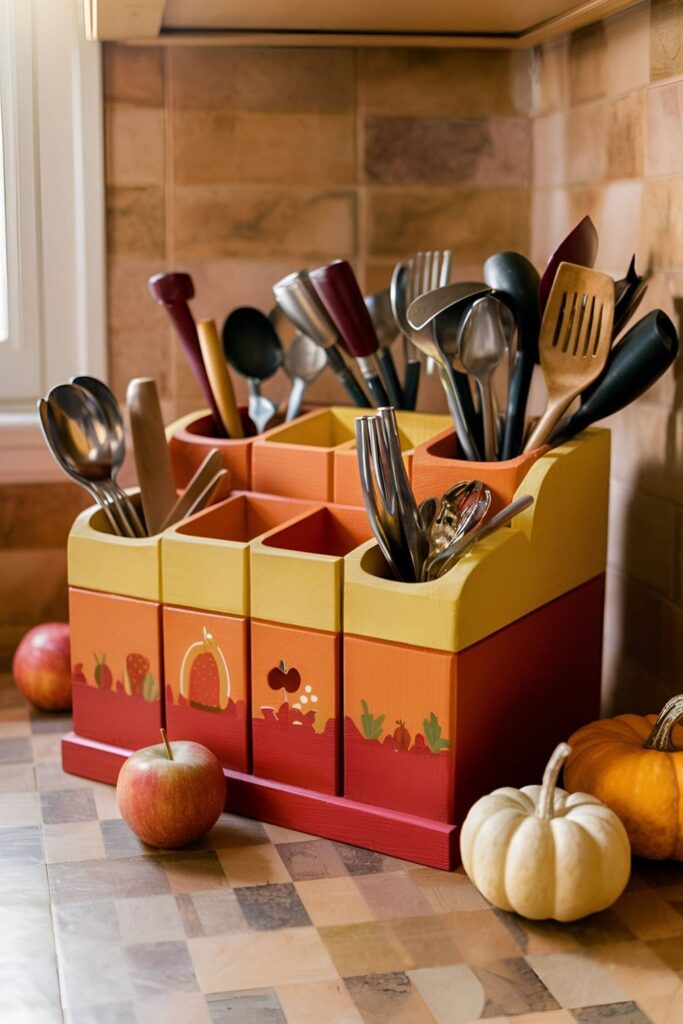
x=152, y=460
x=575, y=340
x=219, y=377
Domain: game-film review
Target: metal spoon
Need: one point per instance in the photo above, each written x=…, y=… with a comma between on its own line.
x=83, y=440
x=304, y=362
x=111, y=410
x=448, y=557
x=387, y=330
x=253, y=348
x=461, y=516
x=48, y=426
x=483, y=346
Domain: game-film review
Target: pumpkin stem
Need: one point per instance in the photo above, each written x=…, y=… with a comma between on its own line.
x=669, y=716
x=546, y=801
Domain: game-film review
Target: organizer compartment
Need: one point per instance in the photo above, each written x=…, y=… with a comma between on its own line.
x=414, y=428
x=190, y=439
x=297, y=459
x=296, y=607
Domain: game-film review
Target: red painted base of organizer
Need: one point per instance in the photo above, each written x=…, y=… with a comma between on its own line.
x=431, y=843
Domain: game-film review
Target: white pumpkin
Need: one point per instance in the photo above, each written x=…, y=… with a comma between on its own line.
x=545, y=853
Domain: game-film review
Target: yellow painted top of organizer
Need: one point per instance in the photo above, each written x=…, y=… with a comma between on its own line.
x=97, y=560
x=551, y=548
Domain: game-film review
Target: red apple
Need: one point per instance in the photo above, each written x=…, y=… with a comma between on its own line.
x=42, y=666
x=172, y=793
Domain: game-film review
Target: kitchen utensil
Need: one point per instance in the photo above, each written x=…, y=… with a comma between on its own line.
x=425, y=272
x=304, y=362
x=297, y=298
x=219, y=377
x=447, y=558
x=253, y=348
x=217, y=489
x=371, y=498
x=202, y=477
x=483, y=346
x=629, y=293
x=173, y=291
x=337, y=289
x=427, y=341
x=411, y=524
x=113, y=419
x=580, y=247
x=575, y=339
x=51, y=433
x=462, y=508
x=386, y=329
x=152, y=460
x=644, y=354
x=388, y=500
x=423, y=310
x=516, y=282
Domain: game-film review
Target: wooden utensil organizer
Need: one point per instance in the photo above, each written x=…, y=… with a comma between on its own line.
x=339, y=701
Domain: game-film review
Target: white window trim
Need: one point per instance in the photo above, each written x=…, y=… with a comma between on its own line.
x=61, y=234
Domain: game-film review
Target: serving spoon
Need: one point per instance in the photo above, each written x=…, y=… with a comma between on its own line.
x=252, y=347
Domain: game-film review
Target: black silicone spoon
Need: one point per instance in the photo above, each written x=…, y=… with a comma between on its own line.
x=252, y=347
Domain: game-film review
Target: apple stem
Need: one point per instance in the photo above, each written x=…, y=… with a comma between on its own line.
x=169, y=752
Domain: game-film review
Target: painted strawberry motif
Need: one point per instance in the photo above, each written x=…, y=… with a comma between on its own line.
x=103, y=675
x=137, y=669
x=77, y=674
x=205, y=682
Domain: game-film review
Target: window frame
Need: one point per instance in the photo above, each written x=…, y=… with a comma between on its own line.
x=54, y=165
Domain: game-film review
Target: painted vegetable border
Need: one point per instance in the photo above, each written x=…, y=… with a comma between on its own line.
x=372, y=727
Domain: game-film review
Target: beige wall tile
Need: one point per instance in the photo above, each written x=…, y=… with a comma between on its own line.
x=551, y=219
x=665, y=129
x=217, y=146
x=666, y=39
x=587, y=63
x=129, y=303
x=586, y=143
x=442, y=83
x=134, y=145
x=135, y=221
x=550, y=144
x=627, y=38
x=642, y=537
x=662, y=215
x=219, y=222
x=647, y=450
x=134, y=74
x=270, y=80
x=472, y=222
x=443, y=151
x=140, y=353
x=625, y=126
x=616, y=212
x=550, y=77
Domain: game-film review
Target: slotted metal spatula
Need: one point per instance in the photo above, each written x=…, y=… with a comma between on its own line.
x=575, y=340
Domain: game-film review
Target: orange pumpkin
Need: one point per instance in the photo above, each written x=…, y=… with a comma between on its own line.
x=634, y=765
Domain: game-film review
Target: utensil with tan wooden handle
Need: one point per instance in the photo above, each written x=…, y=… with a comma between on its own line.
x=152, y=460
x=219, y=377
x=575, y=340
x=203, y=476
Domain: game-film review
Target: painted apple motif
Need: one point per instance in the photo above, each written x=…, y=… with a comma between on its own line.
x=282, y=678
x=41, y=666
x=172, y=793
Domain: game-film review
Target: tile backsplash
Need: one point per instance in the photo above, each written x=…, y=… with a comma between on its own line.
x=240, y=165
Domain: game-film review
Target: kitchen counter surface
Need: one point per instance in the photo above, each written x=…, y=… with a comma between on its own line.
x=260, y=925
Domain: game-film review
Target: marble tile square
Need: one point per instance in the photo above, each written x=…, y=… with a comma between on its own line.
x=447, y=891
x=47, y=747
x=107, y=1013
x=149, y=919
x=334, y=901
x=371, y=947
x=68, y=805
x=16, y=750
x=453, y=994
x=365, y=862
x=615, y=1013
x=266, y=907
x=229, y=963
x=29, y=982
x=50, y=777
x=55, y=722
x=120, y=841
x=260, y=1005
x=210, y=913
x=259, y=864
x=77, y=923
x=11, y=728
x=576, y=980
x=301, y=1003
x=24, y=878
x=105, y=801
x=232, y=831
x=537, y=936
x=316, y=858
x=512, y=987
x=482, y=936
x=194, y=871
x=93, y=973
x=173, y=1008
x=25, y=925
x=388, y=997
x=158, y=967
x=649, y=916
x=393, y=895
x=432, y=941
x=23, y=844
x=107, y=879
x=17, y=809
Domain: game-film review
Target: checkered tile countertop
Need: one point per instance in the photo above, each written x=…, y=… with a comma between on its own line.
x=260, y=925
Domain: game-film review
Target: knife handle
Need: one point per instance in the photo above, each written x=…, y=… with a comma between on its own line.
x=388, y=369
x=518, y=395
x=346, y=378
x=378, y=395
x=411, y=381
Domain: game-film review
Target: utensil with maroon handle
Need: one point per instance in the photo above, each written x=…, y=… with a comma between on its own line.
x=298, y=300
x=152, y=459
x=575, y=340
x=213, y=357
x=579, y=247
x=173, y=291
x=338, y=290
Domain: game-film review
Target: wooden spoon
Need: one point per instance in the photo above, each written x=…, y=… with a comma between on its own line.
x=152, y=460
x=219, y=377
